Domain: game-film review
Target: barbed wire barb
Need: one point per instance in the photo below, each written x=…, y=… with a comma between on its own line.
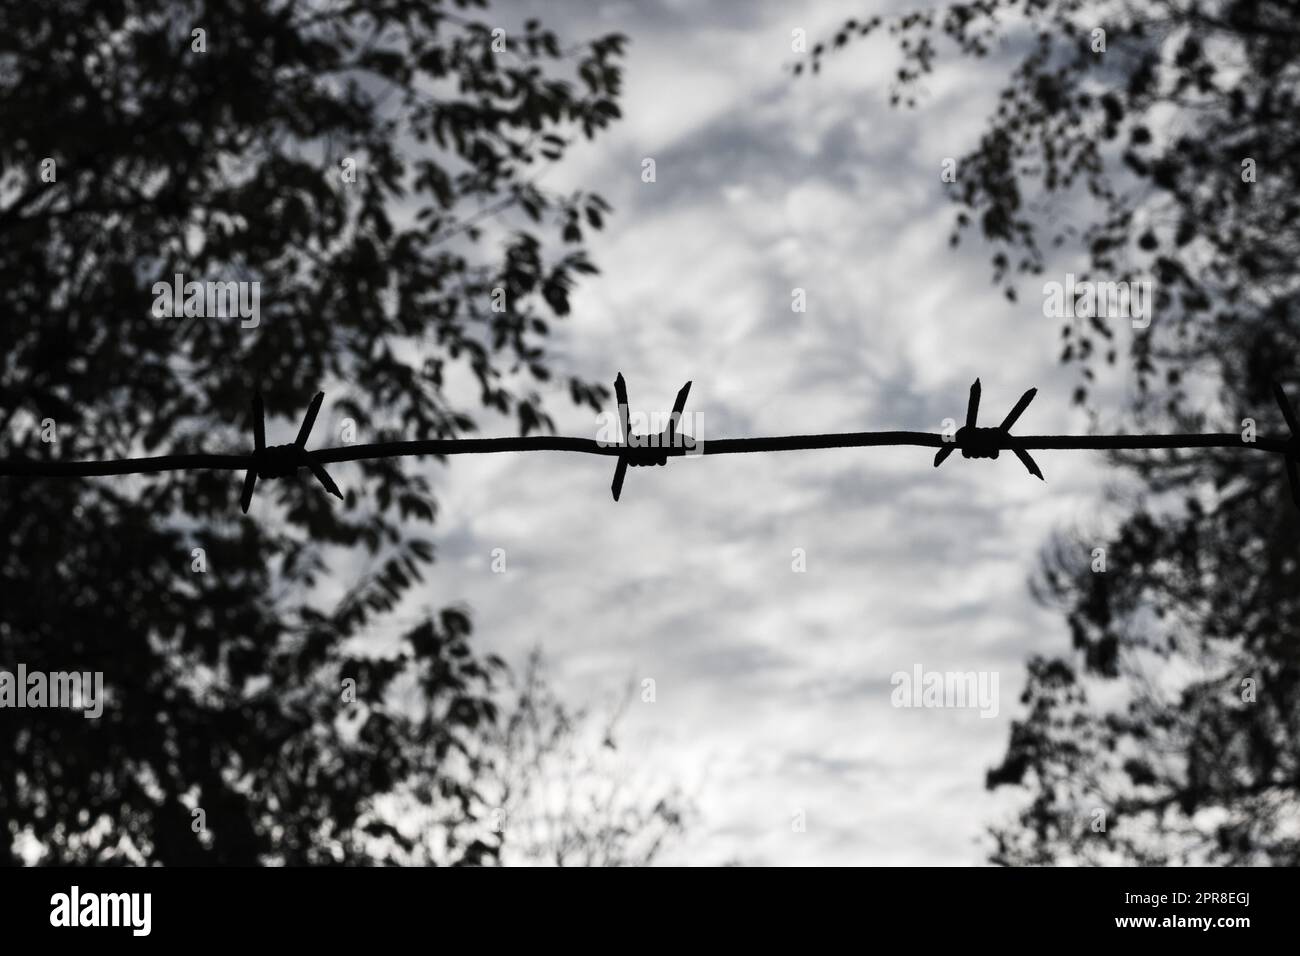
x=649, y=450
x=1293, y=448
x=279, y=461
x=976, y=442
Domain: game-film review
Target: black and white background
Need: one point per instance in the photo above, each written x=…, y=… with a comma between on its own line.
x=715, y=654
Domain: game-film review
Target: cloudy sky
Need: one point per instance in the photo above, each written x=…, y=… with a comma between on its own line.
x=773, y=686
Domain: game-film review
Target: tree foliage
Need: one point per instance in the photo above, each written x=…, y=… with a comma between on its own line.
x=220, y=155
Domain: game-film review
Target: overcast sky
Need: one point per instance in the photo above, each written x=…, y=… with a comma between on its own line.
x=773, y=686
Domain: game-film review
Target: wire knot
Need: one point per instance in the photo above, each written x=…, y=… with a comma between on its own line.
x=651, y=453
x=979, y=442
x=280, y=461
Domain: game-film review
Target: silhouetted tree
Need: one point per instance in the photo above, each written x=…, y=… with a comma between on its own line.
x=564, y=794
x=1168, y=131
x=345, y=155
x=552, y=786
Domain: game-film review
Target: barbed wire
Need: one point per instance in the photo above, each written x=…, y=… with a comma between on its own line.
x=646, y=450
